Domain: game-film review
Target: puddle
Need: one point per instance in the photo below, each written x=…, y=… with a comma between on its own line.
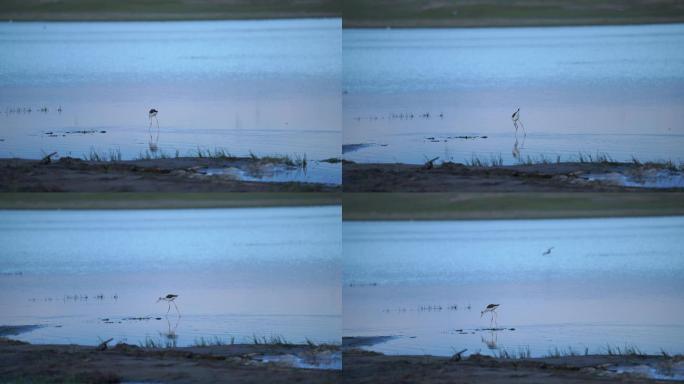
x=315, y=172
x=650, y=178
x=321, y=360
x=265, y=173
x=14, y=330
x=346, y=148
x=663, y=371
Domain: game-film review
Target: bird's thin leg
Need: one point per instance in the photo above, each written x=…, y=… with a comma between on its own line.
x=157, y=128
x=496, y=319
x=149, y=129
x=174, y=304
x=167, y=311
x=523, y=128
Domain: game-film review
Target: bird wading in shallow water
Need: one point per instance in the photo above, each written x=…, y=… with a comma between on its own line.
x=517, y=123
x=491, y=309
x=153, y=141
x=170, y=299
x=548, y=251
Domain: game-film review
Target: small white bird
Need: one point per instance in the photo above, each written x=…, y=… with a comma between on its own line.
x=548, y=251
x=170, y=298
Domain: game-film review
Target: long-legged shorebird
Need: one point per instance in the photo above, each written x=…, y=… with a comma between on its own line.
x=170, y=298
x=491, y=308
x=153, y=141
x=516, y=122
x=548, y=251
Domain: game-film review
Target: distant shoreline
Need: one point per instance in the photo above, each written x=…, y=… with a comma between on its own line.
x=68, y=17
x=501, y=23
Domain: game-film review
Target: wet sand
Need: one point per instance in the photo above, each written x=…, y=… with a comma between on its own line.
x=239, y=363
x=456, y=177
x=183, y=174
x=370, y=367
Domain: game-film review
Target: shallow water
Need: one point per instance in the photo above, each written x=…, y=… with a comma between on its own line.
x=239, y=273
x=606, y=282
x=269, y=87
x=617, y=90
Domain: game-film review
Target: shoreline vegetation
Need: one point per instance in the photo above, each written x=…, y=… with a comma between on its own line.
x=173, y=10
x=272, y=362
x=589, y=174
x=206, y=172
x=506, y=13
x=361, y=366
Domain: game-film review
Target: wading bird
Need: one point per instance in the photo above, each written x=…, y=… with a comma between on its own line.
x=548, y=251
x=153, y=141
x=491, y=308
x=516, y=121
x=170, y=298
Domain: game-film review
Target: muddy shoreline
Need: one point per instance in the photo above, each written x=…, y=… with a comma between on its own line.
x=363, y=366
x=369, y=367
x=456, y=177
x=238, y=363
x=183, y=174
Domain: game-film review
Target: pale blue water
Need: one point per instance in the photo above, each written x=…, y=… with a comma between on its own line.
x=270, y=87
x=611, y=89
x=238, y=273
x=606, y=282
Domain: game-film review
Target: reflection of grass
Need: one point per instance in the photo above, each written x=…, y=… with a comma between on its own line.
x=455, y=206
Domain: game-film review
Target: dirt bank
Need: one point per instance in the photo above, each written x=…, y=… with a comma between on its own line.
x=369, y=367
x=506, y=13
x=551, y=177
x=185, y=174
x=508, y=206
x=22, y=362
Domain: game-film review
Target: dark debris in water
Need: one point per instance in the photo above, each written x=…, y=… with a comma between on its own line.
x=77, y=132
x=433, y=139
x=144, y=318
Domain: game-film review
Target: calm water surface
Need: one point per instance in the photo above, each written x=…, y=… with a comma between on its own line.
x=610, y=89
x=270, y=87
x=239, y=273
x=606, y=282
